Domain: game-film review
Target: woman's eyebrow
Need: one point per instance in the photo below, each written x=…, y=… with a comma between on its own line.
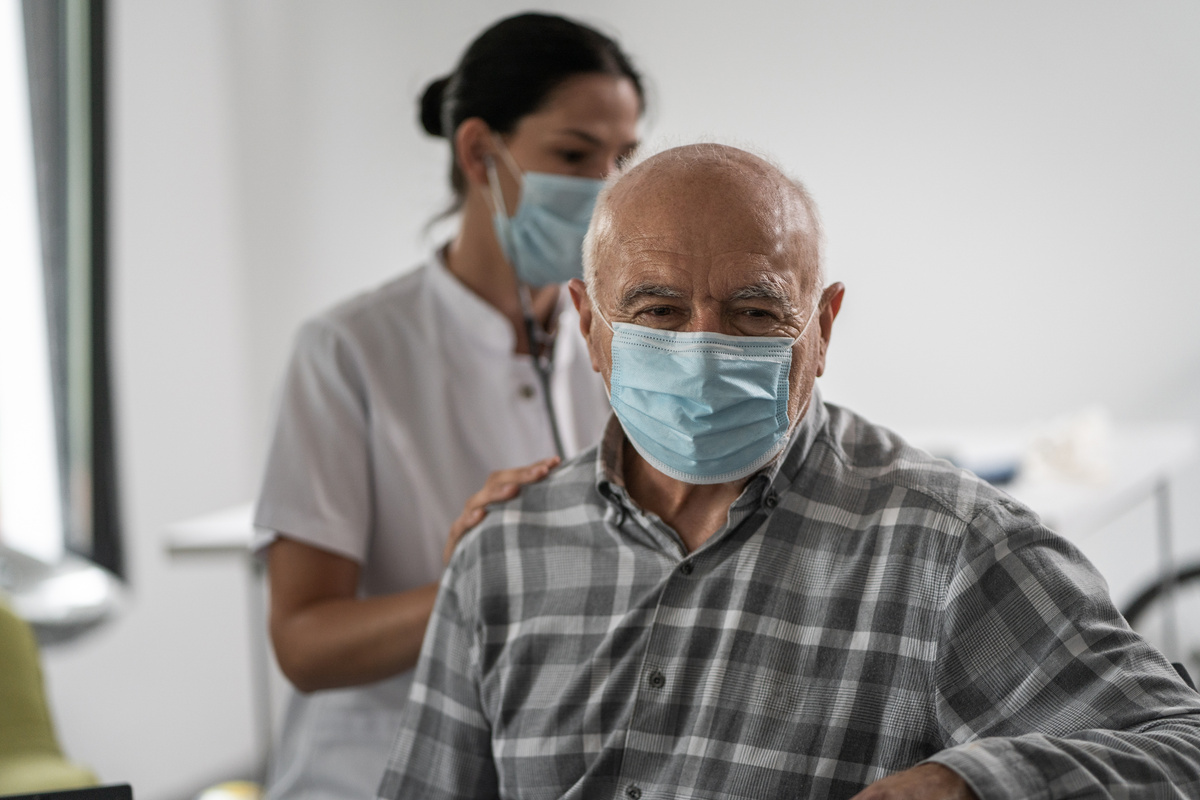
x=587, y=137
x=595, y=141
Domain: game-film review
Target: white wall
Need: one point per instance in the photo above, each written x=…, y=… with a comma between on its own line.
x=1010, y=191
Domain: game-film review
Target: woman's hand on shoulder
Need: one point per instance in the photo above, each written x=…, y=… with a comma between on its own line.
x=501, y=485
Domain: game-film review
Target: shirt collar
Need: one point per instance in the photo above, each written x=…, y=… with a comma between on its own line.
x=466, y=313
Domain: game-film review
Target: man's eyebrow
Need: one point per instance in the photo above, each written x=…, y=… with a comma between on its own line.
x=768, y=290
x=635, y=293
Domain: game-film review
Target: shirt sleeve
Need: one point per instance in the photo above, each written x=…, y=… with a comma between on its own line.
x=1043, y=689
x=443, y=750
x=317, y=484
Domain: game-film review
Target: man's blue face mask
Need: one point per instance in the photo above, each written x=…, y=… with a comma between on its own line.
x=543, y=240
x=702, y=407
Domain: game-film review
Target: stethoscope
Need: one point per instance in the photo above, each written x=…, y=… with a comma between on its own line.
x=541, y=350
x=541, y=344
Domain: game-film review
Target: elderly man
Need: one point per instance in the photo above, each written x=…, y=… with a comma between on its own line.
x=745, y=592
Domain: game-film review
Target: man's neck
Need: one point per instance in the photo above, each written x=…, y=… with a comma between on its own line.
x=694, y=512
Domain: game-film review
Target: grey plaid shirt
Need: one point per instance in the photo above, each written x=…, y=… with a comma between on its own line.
x=866, y=607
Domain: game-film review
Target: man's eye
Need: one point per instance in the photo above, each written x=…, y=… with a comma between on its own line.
x=573, y=156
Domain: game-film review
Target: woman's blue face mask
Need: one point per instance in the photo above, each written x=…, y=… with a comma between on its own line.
x=543, y=240
x=702, y=407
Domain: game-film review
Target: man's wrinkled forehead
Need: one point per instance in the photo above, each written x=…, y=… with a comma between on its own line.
x=676, y=223
x=707, y=197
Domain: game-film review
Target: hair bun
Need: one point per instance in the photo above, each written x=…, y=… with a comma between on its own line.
x=431, y=107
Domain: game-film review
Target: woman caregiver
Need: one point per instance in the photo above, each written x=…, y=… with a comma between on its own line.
x=399, y=403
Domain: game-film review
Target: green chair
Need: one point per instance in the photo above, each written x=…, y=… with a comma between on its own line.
x=30, y=757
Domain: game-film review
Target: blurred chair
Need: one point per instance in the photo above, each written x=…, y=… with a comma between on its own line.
x=30, y=757
x=1174, y=596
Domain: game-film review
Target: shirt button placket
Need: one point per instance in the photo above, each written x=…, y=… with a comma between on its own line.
x=657, y=679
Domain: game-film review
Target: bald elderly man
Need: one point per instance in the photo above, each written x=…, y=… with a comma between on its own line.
x=745, y=592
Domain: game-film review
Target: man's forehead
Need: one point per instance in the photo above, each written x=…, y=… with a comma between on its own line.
x=707, y=209
x=722, y=252
x=705, y=220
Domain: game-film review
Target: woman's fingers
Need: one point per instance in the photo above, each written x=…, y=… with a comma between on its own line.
x=501, y=485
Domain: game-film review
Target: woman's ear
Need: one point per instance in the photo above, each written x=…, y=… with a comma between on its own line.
x=472, y=147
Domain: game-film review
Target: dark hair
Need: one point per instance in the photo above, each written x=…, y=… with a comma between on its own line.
x=510, y=69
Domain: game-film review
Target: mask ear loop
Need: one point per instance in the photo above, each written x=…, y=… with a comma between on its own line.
x=816, y=312
x=498, y=204
x=596, y=310
x=497, y=196
x=509, y=161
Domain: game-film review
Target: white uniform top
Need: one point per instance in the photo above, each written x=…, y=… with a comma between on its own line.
x=397, y=405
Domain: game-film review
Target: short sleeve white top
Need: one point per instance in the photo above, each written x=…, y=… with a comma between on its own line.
x=396, y=406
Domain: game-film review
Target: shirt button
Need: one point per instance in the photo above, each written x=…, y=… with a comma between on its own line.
x=657, y=679
x=686, y=568
x=770, y=501
x=633, y=793
x=526, y=392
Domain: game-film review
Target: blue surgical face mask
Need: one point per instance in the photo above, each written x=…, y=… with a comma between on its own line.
x=543, y=240
x=702, y=407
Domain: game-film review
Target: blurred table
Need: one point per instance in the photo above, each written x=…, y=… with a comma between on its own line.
x=230, y=531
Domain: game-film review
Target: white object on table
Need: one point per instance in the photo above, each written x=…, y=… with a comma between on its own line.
x=60, y=601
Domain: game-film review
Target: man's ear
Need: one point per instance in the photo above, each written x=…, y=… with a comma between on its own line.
x=831, y=304
x=583, y=304
x=472, y=147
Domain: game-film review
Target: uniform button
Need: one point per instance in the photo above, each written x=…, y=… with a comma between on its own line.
x=657, y=679
x=770, y=501
x=633, y=793
x=526, y=392
x=686, y=568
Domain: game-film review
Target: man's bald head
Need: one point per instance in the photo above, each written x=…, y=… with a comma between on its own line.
x=697, y=184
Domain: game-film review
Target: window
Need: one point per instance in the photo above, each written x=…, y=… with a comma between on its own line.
x=57, y=463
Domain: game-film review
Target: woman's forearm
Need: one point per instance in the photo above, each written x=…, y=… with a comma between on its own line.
x=325, y=635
